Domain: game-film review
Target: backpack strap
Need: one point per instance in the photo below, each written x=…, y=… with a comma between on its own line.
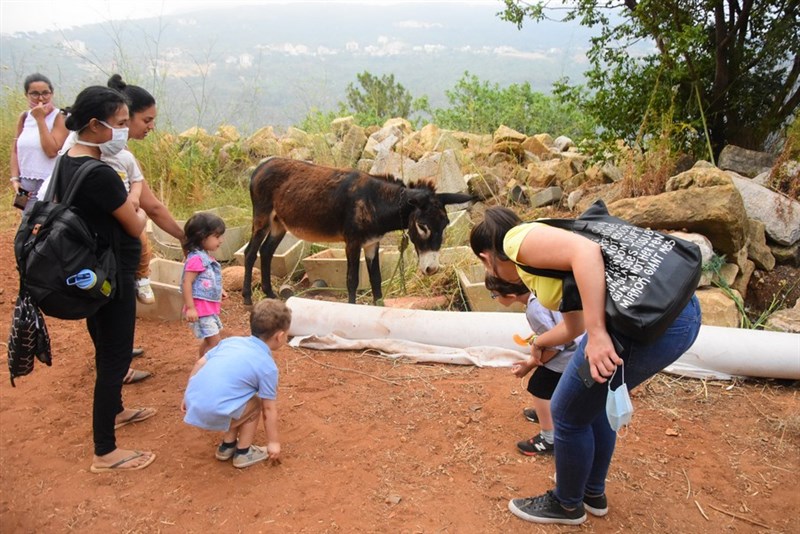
x=72, y=189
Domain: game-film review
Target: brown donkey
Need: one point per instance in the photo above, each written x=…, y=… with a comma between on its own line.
x=318, y=203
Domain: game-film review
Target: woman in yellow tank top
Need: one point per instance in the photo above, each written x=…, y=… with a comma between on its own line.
x=584, y=439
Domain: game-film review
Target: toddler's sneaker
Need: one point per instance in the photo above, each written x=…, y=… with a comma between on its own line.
x=224, y=453
x=536, y=445
x=253, y=455
x=144, y=292
x=530, y=415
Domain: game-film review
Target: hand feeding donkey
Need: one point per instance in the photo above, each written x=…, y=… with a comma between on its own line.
x=318, y=203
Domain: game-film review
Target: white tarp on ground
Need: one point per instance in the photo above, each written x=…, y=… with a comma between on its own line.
x=485, y=339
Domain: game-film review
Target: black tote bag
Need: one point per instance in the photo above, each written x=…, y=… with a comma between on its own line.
x=650, y=276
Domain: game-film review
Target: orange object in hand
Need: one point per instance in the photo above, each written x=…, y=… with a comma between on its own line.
x=519, y=340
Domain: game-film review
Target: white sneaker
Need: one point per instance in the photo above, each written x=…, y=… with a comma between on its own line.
x=144, y=292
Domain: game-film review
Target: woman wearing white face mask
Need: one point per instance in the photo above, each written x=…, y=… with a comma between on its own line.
x=100, y=118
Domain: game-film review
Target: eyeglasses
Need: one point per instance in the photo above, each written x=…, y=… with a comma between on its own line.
x=495, y=296
x=37, y=94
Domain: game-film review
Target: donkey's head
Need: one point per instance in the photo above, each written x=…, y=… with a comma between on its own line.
x=427, y=222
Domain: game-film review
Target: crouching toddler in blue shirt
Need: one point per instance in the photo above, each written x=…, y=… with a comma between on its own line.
x=236, y=382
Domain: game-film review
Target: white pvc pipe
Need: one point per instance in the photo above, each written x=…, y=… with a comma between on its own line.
x=717, y=352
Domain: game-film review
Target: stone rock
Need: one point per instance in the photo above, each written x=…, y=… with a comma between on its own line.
x=787, y=320
x=484, y=186
x=477, y=143
x=718, y=308
x=698, y=176
x=727, y=274
x=429, y=135
x=717, y=212
x=341, y=126
x=390, y=163
x=228, y=132
x=300, y=136
x=321, y=150
x=399, y=123
x=563, y=143
x=449, y=178
x=505, y=134
x=263, y=143
x=382, y=140
x=607, y=173
x=546, y=197
x=743, y=278
x=535, y=146
x=447, y=142
x=348, y=151
x=233, y=277
x=779, y=213
x=573, y=198
x=541, y=175
x=496, y=158
x=745, y=162
x=757, y=249
x=511, y=148
x=608, y=193
x=786, y=255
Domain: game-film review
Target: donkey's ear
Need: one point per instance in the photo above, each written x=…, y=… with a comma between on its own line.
x=455, y=198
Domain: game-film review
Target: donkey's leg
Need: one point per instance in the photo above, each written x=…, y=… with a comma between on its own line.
x=372, y=255
x=250, y=253
x=268, y=249
x=353, y=253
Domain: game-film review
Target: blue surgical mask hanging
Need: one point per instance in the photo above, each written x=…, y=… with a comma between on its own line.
x=619, y=408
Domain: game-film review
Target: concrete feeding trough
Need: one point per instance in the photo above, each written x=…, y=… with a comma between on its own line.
x=330, y=266
x=478, y=297
x=164, y=245
x=237, y=233
x=165, y=279
x=287, y=257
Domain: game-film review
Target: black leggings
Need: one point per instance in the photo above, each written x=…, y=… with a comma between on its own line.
x=111, y=330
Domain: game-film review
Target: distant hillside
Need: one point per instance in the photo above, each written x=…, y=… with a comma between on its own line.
x=269, y=65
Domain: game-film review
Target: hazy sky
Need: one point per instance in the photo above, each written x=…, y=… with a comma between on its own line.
x=39, y=15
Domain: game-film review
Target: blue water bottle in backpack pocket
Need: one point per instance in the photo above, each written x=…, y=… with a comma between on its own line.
x=86, y=279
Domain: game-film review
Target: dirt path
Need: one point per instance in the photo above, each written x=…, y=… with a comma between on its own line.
x=375, y=446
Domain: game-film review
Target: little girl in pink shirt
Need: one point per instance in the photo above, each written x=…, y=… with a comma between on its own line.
x=201, y=282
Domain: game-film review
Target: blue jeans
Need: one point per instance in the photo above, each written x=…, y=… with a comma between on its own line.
x=584, y=441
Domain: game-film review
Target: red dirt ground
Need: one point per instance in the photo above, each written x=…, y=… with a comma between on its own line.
x=371, y=445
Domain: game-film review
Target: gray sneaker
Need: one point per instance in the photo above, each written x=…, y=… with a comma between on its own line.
x=253, y=455
x=546, y=509
x=223, y=454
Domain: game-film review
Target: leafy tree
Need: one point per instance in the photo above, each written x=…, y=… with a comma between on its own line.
x=728, y=67
x=380, y=99
x=478, y=106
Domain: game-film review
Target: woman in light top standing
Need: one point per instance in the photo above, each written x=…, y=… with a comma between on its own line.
x=39, y=136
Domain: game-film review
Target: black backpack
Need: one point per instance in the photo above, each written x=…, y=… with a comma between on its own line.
x=54, y=243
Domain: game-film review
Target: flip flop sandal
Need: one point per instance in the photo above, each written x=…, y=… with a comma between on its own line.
x=139, y=415
x=118, y=466
x=135, y=375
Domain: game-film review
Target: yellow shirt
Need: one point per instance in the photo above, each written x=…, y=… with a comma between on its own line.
x=547, y=290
